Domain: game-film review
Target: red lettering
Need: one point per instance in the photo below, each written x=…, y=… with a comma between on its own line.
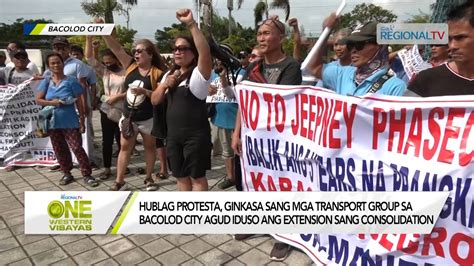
x=349, y=119
x=267, y=97
x=335, y=142
x=435, y=241
x=244, y=103
x=280, y=104
x=301, y=188
x=379, y=126
x=271, y=184
x=412, y=246
x=384, y=242
x=304, y=115
x=254, y=103
x=312, y=115
x=440, y=35
x=397, y=126
x=319, y=116
x=450, y=132
x=435, y=131
x=454, y=249
x=257, y=181
x=325, y=122
x=465, y=158
x=285, y=184
x=295, y=122
x=415, y=132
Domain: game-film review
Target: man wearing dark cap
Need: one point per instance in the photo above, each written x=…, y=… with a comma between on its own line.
x=370, y=65
x=244, y=59
x=17, y=45
x=74, y=68
x=19, y=72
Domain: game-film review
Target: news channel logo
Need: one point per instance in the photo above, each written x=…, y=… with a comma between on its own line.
x=70, y=213
x=412, y=33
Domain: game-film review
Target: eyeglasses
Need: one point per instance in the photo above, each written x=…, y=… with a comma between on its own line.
x=254, y=56
x=357, y=45
x=134, y=51
x=277, y=23
x=181, y=49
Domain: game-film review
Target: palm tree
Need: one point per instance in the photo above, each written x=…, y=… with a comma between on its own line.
x=230, y=6
x=262, y=9
x=105, y=8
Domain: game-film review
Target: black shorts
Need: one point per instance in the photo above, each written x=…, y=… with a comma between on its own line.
x=189, y=152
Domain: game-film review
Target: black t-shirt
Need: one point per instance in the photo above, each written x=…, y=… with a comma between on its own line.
x=286, y=72
x=144, y=111
x=441, y=81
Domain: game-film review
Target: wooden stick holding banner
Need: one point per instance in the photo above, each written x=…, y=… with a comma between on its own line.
x=317, y=46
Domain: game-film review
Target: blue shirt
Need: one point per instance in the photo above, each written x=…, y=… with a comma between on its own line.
x=341, y=79
x=65, y=116
x=226, y=113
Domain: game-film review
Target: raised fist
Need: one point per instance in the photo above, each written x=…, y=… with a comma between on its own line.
x=185, y=16
x=293, y=22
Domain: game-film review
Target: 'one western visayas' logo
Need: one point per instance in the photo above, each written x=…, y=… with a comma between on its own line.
x=71, y=213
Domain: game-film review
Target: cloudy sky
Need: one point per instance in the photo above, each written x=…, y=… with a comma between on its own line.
x=150, y=15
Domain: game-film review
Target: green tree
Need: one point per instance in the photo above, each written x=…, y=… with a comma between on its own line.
x=167, y=34
x=262, y=7
x=105, y=8
x=419, y=18
x=363, y=13
x=242, y=38
x=10, y=32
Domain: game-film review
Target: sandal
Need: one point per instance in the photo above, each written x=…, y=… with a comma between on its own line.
x=162, y=176
x=105, y=175
x=89, y=180
x=66, y=179
x=117, y=186
x=150, y=184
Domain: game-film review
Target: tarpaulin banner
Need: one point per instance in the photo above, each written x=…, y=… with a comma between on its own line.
x=18, y=116
x=300, y=138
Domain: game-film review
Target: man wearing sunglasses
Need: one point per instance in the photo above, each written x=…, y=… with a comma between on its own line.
x=19, y=72
x=370, y=65
x=439, y=54
x=457, y=76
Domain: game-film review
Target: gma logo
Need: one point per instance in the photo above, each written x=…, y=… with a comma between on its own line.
x=70, y=209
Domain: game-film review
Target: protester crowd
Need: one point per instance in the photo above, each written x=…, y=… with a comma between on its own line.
x=166, y=104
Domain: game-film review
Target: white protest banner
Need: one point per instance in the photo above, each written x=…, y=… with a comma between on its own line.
x=412, y=61
x=298, y=138
x=221, y=96
x=18, y=115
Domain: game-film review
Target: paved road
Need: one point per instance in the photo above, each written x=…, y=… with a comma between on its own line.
x=16, y=248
